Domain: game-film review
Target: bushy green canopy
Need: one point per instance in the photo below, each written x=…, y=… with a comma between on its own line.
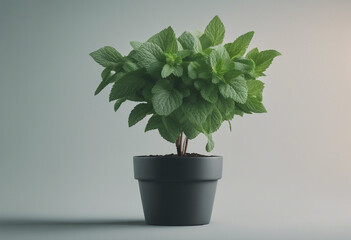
x=189, y=84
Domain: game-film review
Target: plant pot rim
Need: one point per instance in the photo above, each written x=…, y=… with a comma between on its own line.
x=175, y=156
x=174, y=168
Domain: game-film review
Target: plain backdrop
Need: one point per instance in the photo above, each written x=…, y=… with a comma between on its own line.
x=66, y=154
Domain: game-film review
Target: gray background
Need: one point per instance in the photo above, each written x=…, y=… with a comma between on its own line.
x=66, y=155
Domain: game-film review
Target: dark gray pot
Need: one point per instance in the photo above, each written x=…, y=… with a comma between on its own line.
x=177, y=191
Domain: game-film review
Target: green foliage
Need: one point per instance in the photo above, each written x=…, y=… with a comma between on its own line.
x=190, y=84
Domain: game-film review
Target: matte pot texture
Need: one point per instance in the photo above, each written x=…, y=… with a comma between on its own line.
x=177, y=190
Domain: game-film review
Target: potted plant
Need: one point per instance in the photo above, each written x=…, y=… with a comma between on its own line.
x=188, y=86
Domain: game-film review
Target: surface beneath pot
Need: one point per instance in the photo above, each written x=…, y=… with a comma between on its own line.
x=134, y=228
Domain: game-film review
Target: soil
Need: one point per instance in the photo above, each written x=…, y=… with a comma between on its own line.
x=186, y=155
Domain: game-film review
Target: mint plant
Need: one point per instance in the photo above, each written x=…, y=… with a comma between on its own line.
x=188, y=85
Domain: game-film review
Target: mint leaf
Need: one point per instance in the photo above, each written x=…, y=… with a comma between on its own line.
x=239, y=46
x=154, y=122
x=210, y=93
x=189, y=130
x=135, y=44
x=150, y=56
x=235, y=89
x=226, y=90
x=226, y=107
x=130, y=66
x=128, y=85
x=252, y=53
x=220, y=59
x=166, y=71
x=170, y=130
x=173, y=127
x=164, y=100
x=253, y=105
x=255, y=88
x=184, y=53
x=107, y=57
x=263, y=60
x=210, y=143
x=215, y=31
x=177, y=71
x=166, y=40
x=244, y=65
x=238, y=111
x=254, y=99
x=189, y=41
x=118, y=103
x=192, y=73
x=221, y=63
x=106, y=79
x=197, y=112
x=213, y=121
x=139, y=113
x=205, y=42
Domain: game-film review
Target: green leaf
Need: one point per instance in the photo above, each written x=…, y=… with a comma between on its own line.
x=164, y=100
x=254, y=99
x=184, y=53
x=236, y=89
x=238, y=111
x=128, y=85
x=118, y=103
x=189, y=41
x=192, y=73
x=166, y=40
x=173, y=127
x=106, y=73
x=210, y=93
x=177, y=71
x=220, y=63
x=130, y=66
x=220, y=59
x=166, y=71
x=263, y=60
x=213, y=121
x=135, y=44
x=107, y=57
x=189, y=130
x=210, y=143
x=106, y=79
x=243, y=64
x=197, y=112
x=170, y=129
x=255, y=106
x=226, y=107
x=239, y=46
x=255, y=88
x=139, y=113
x=146, y=91
x=215, y=31
x=252, y=53
x=154, y=122
x=205, y=42
x=150, y=56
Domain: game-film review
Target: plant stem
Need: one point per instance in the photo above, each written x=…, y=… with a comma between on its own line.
x=186, y=145
x=178, y=146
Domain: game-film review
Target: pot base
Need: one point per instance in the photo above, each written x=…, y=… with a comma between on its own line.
x=177, y=203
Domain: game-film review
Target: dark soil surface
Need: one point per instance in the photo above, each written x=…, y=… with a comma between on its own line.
x=186, y=155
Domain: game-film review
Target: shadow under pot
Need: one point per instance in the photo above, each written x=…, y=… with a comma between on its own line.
x=177, y=191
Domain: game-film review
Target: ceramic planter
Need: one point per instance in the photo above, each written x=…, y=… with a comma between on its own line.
x=177, y=190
